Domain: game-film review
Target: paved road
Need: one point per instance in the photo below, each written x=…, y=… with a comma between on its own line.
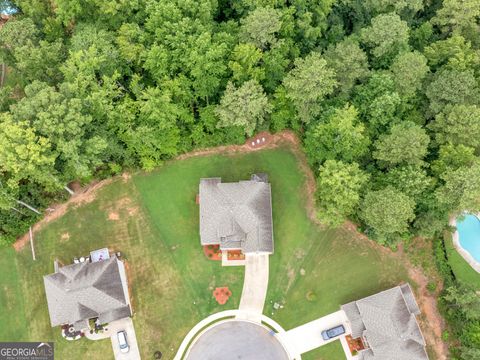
x=197, y=329
x=234, y=339
x=308, y=336
x=255, y=287
x=127, y=325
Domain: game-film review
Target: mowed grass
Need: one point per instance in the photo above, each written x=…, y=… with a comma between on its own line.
x=11, y=300
x=153, y=220
x=331, y=351
x=462, y=270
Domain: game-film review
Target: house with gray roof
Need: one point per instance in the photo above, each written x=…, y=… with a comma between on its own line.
x=238, y=215
x=386, y=323
x=79, y=292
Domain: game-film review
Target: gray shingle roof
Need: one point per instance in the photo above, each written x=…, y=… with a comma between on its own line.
x=387, y=321
x=79, y=292
x=237, y=215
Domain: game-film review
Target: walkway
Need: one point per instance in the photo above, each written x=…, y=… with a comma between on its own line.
x=255, y=287
x=308, y=336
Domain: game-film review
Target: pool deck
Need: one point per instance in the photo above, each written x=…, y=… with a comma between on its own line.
x=464, y=253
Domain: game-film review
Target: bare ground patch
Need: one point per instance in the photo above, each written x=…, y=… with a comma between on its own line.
x=431, y=322
x=112, y=215
x=65, y=237
x=86, y=196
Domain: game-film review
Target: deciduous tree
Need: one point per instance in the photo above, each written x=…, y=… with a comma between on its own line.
x=386, y=37
x=349, y=62
x=388, y=213
x=308, y=84
x=245, y=63
x=260, y=27
x=405, y=144
x=409, y=70
x=461, y=191
x=452, y=87
x=458, y=125
x=245, y=106
x=339, y=186
x=340, y=137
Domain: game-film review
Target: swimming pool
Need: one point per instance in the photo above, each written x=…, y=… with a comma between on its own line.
x=469, y=235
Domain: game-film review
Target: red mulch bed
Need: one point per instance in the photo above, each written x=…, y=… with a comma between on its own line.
x=355, y=345
x=212, y=252
x=235, y=255
x=197, y=199
x=222, y=294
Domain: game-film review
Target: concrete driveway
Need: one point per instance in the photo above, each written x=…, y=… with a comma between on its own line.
x=127, y=325
x=308, y=336
x=255, y=287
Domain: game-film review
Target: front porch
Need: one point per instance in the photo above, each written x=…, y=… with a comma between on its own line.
x=234, y=257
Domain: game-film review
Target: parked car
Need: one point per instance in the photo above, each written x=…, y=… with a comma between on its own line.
x=333, y=332
x=122, y=341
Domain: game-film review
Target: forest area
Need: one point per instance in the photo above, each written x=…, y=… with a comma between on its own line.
x=383, y=93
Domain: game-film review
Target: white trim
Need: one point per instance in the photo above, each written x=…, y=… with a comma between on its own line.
x=463, y=252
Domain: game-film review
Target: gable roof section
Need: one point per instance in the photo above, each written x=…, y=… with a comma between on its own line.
x=83, y=291
x=237, y=215
x=387, y=321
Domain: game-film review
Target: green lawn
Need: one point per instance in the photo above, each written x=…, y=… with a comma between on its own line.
x=462, y=270
x=331, y=351
x=171, y=280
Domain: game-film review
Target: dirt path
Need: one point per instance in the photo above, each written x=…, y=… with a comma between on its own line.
x=431, y=321
x=83, y=196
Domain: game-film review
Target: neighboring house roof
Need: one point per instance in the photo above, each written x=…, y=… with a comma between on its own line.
x=237, y=215
x=387, y=321
x=79, y=292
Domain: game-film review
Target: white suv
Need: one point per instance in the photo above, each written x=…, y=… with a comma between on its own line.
x=122, y=341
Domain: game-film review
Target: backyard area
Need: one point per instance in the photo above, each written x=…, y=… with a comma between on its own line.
x=462, y=270
x=152, y=219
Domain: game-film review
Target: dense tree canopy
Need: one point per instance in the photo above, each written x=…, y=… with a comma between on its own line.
x=384, y=95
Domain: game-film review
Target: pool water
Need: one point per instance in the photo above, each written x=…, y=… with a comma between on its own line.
x=469, y=235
